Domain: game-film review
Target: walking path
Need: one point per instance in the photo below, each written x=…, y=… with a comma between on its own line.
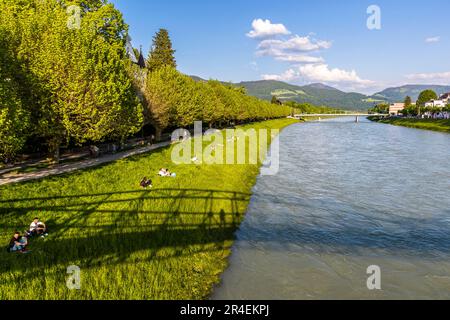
x=14, y=177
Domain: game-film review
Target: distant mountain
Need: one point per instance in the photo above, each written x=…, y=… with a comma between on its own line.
x=317, y=94
x=198, y=79
x=323, y=95
x=399, y=94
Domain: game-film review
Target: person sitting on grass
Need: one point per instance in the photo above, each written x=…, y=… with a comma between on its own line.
x=18, y=243
x=146, y=183
x=166, y=173
x=38, y=228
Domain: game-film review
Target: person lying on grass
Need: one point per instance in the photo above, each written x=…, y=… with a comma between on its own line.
x=18, y=243
x=146, y=183
x=38, y=228
x=166, y=173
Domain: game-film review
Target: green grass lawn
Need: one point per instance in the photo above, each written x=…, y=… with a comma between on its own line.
x=426, y=124
x=170, y=242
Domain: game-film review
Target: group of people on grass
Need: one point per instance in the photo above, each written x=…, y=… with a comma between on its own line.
x=19, y=242
x=148, y=183
x=166, y=173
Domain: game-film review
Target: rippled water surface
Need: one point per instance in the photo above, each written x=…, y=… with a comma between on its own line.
x=348, y=196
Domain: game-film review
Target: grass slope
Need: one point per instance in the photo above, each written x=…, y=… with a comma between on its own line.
x=171, y=242
x=426, y=124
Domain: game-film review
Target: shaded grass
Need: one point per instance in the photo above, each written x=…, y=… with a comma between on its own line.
x=170, y=242
x=426, y=124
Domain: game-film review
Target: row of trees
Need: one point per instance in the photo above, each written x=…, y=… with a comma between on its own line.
x=65, y=78
x=176, y=100
x=309, y=108
x=62, y=82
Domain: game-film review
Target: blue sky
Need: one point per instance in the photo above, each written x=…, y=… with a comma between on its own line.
x=301, y=41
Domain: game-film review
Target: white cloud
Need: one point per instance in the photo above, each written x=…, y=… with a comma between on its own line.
x=430, y=78
x=265, y=28
x=292, y=50
x=294, y=44
x=300, y=59
x=432, y=39
x=288, y=75
x=321, y=72
x=301, y=53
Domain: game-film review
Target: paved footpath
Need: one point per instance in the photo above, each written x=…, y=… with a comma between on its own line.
x=14, y=177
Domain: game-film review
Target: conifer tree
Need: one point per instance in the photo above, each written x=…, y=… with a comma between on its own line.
x=162, y=53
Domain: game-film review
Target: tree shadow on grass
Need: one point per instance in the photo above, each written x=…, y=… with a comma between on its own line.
x=108, y=228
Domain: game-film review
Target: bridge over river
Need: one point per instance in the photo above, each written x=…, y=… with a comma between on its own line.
x=323, y=115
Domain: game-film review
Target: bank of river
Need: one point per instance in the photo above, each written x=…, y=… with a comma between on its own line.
x=348, y=196
x=426, y=124
x=171, y=241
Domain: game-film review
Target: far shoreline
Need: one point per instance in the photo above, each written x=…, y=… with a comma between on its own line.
x=436, y=125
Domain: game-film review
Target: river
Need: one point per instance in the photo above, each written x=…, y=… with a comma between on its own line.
x=348, y=196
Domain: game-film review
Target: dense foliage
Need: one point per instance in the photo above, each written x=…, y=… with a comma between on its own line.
x=425, y=96
x=14, y=117
x=309, y=108
x=71, y=79
x=382, y=108
x=176, y=100
x=66, y=79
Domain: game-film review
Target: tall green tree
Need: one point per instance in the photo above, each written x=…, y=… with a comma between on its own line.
x=275, y=100
x=81, y=90
x=14, y=117
x=408, y=102
x=161, y=54
x=424, y=97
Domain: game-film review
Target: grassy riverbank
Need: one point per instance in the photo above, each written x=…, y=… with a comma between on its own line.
x=171, y=242
x=426, y=124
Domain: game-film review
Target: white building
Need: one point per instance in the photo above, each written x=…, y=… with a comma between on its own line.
x=442, y=102
x=436, y=104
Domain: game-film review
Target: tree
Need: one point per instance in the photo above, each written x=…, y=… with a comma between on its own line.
x=275, y=100
x=161, y=53
x=14, y=107
x=382, y=108
x=424, y=97
x=160, y=86
x=14, y=117
x=80, y=88
x=408, y=102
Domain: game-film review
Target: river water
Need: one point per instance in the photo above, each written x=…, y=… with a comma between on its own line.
x=348, y=196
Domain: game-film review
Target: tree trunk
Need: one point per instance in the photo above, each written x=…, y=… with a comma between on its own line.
x=54, y=150
x=158, y=134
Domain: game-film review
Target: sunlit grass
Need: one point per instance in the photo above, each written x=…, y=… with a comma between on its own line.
x=426, y=124
x=169, y=242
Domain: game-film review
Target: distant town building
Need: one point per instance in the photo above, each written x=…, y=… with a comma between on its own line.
x=442, y=102
x=436, y=104
x=395, y=108
x=445, y=96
